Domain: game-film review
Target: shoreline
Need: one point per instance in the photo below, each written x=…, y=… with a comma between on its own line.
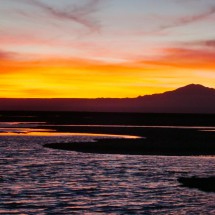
x=135, y=147
x=182, y=140
x=154, y=141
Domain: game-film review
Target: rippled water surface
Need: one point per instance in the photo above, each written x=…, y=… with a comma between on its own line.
x=38, y=180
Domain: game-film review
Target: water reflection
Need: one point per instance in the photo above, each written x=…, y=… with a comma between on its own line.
x=20, y=124
x=15, y=131
x=49, y=132
x=36, y=180
x=134, y=126
x=35, y=124
x=28, y=129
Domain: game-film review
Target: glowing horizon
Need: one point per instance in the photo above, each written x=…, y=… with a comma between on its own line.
x=98, y=48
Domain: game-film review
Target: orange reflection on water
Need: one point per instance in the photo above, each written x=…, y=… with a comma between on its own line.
x=16, y=131
x=51, y=133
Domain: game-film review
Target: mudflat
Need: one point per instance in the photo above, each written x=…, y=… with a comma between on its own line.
x=163, y=134
x=152, y=141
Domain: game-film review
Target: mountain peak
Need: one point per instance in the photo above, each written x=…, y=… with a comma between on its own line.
x=193, y=89
x=194, y=85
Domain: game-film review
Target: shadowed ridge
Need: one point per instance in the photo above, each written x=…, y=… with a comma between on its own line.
x=190, y=89
x=193, y=98
x=193, y=89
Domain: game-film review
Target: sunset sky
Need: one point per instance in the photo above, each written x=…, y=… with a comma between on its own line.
x=104, y=48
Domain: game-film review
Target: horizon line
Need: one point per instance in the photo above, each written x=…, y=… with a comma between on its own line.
x=138, y=96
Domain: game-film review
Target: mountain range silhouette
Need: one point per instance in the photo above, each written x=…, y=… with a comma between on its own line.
x=193, y=98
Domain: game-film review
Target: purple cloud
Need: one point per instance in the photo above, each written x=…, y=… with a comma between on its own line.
x=202, y=44
x=208, y=43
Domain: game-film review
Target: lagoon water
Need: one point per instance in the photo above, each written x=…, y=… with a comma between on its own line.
x=38, y=180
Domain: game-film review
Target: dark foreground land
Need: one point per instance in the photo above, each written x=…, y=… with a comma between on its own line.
x=92, y=118
x=173, y=142
x=157, y=140
x=204, y=184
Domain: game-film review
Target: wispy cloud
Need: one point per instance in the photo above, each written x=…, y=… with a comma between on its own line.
x=189, y=19
x=206, y=43
x=179, y=21
x=5, y=55
x=186, y=57
x=76, y=13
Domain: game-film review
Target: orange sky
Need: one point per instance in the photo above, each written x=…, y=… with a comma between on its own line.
x=85, y=79
x=104, y=49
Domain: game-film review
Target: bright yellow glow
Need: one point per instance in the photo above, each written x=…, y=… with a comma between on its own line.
x=43, y=133
x=84, y=79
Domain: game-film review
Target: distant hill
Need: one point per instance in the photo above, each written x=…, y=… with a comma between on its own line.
x=192, y=98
